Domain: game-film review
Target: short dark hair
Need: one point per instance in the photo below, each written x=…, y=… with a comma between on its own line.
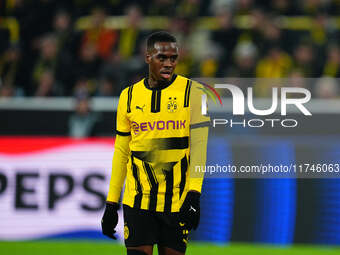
x=161, y=36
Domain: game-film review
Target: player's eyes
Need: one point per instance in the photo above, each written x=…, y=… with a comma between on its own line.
x=161, y=58
x=164, y=58
x=173, y=59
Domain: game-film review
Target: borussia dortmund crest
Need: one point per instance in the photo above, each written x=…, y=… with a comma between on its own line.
x=126, y=232
x=172, y=104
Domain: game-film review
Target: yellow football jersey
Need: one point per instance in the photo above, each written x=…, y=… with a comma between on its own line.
x=159, y=122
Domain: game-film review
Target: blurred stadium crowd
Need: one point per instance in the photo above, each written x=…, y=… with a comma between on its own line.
x=71, y=47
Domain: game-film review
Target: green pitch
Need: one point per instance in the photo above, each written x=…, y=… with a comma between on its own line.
x=106, y=248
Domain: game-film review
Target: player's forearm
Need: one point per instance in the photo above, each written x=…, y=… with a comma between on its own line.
x=119, y=161
x=198, y=156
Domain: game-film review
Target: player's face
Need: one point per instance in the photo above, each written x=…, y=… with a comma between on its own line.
x=162, y=60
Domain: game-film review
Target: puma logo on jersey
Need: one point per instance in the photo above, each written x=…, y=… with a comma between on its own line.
x=140, y=108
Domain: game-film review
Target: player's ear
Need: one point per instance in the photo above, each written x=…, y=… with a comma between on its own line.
x=148, y=58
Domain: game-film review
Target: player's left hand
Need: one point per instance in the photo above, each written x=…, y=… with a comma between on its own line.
x=110, y=220
x=190, y=210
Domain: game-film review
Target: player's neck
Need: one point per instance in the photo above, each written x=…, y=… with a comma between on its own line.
x=153, y=83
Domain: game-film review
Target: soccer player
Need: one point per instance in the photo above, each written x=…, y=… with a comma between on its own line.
x=161, y=136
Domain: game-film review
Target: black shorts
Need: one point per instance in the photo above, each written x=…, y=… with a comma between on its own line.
x=142, y=227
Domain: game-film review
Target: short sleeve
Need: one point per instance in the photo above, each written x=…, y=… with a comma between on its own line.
x=122, y=123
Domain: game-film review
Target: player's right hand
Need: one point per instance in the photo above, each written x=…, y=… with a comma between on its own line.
x=190, y=210
x=110, y=219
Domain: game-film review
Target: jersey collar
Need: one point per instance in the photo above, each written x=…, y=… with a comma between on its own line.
x=162, y=86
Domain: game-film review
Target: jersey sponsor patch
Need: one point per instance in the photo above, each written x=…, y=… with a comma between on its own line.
x=158, y=125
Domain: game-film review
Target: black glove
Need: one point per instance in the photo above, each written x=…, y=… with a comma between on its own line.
x=190, y=210
x=110, y=219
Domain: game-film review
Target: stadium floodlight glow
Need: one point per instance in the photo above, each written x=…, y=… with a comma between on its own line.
x=239, y=98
